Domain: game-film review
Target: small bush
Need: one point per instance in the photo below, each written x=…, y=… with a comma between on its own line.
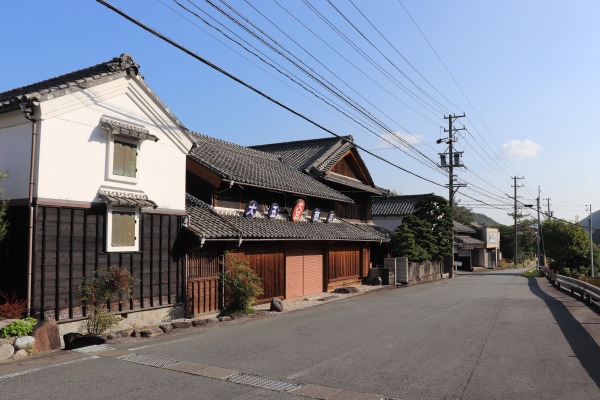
x=12, y=307
x=242, y=285
x=18, y=328
x=115, y=284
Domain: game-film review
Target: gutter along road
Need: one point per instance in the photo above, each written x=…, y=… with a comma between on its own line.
x=492, y=335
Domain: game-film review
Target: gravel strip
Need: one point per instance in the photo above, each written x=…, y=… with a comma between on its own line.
x=313, y=300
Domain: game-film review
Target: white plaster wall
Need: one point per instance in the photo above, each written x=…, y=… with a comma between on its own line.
x=388, y=222
x=74, y=148
x=15, y=155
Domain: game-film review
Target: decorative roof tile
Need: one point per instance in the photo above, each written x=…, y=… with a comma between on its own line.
x=249, y=166
x=396, y=205
x=124, y=128
x=125, y=199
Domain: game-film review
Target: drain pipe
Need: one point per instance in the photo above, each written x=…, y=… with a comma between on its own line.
x=27, y=109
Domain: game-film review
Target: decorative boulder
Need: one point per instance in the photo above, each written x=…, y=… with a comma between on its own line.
x=199, y=322
x=46, y=336
x=24, y=343
x=211, y=320
x=276, y=305
x=166, y=328
x=19, y=354
x=350, y=289
x=181, y=324
x=225, y=318
x=150, y=333
x=70, y=338
x=6, y=351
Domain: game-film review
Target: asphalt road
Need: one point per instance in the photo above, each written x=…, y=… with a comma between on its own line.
x=483, y=336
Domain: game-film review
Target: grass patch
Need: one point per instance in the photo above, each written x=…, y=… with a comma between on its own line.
x=533, y=273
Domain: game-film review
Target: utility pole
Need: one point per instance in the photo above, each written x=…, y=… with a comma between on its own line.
x=515, y=178
x=453, y=161
x=591, y=244
x=549, y=213
x=539, y=236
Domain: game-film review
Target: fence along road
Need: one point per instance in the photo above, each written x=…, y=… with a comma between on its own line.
x=494, y=336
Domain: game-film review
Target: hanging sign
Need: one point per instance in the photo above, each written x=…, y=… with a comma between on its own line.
x=316, y=215
x=273, y=211
x=331, y=217
x=251, y=209
x=298, y=210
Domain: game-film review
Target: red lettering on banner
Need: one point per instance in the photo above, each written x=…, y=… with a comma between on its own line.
x=298, y=210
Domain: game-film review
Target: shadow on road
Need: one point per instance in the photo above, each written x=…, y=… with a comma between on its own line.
x=582, y=343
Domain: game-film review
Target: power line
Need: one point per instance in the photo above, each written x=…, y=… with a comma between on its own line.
x=240, y=81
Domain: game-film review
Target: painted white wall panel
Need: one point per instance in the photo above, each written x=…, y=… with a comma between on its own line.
x=15, y=155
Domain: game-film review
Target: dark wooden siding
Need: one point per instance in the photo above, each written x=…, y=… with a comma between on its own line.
x=13, y=253
x=70, y=246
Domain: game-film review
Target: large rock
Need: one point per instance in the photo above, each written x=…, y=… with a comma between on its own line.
x=182, y=324
x=76, y=340
x=166, y=328
x=24, y=343
x=46, y=336
x=150, y=333
x=276, y=305
x=199, y=322
x=349, y=289
x=6, y=351
x=19, y=354
x=224, y=318
x=5, y=322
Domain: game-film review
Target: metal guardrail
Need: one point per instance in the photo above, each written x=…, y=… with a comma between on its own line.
x=587, y=291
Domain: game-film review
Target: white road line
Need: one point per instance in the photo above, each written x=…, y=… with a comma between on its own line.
x=28, y=371
x=161, y=343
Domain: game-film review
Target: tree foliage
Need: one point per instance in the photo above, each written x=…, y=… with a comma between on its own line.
x=3, y=209
x=427, y=233
x=463, y=215
x=567, y=246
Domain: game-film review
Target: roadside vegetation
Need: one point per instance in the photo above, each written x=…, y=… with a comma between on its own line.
x=242, y=286
x=532, y=273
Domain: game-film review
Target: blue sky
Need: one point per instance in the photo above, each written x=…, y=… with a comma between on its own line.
x=529, y=70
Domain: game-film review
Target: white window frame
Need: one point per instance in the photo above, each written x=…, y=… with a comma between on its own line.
x=109, y=220
x=111, y=153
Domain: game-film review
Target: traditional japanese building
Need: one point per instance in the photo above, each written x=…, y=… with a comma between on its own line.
x=253, y=204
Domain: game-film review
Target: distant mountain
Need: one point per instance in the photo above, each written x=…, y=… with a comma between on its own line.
x=595, y=220
x=483, y=219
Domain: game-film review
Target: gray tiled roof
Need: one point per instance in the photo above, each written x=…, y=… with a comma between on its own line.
x=467, y=240
x=316, y=157
x=245, y=165
x=82, y=79
x=216, y=223
x=396, y=205
x=377, y=229
x=351, y=182
x=458, y=227
x=206, y=223
x=304, y=154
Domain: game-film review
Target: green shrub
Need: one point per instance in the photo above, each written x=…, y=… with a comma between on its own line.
x=21, y=327
x=532, y=273
x=115, y=284
x=242, y=285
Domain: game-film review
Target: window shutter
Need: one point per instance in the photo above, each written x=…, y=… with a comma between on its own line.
x=124, y=159
x=123, y=229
